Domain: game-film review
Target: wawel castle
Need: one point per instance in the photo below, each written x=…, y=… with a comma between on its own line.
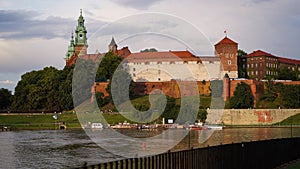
x=163, y=70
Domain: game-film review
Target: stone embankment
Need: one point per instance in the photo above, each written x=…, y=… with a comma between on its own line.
x=249, y=116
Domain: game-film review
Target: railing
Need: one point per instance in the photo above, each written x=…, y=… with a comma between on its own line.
x=258, y=154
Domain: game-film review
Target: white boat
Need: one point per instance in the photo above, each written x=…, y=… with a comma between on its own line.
x=97, y=126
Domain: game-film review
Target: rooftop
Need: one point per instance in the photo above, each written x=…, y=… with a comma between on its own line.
x=226, y=40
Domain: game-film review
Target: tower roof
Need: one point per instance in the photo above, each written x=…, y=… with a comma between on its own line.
x=112, y=42
x=226, y=40
x=259, y=53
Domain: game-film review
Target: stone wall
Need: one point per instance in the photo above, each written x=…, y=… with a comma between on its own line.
x=249, y=116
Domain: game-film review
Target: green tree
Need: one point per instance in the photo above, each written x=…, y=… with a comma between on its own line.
x=242, y=71
x=5, y=99
x=65, y=88
x=107, y=67
x=287, y=74
x=291, y=96
x=202, y=115
x=216, y=87
x=83, y=80
x=242, y=98
x=149, y=50
x=100, y=98
x=44, y=90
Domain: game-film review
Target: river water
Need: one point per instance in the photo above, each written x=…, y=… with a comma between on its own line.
x=71, y=148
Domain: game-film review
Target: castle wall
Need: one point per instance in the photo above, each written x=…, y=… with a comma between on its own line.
x=249, y=116
x=167, y=71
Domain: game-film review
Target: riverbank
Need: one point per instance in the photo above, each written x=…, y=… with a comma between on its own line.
x=51, y=121
x=48, y=121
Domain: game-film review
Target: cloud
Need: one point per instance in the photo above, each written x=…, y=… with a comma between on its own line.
x=137, y=4
x=7, y=82
x=22, y=24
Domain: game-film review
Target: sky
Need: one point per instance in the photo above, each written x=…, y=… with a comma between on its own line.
x=35, y=34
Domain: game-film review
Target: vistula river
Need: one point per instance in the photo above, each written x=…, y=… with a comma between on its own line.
x=72, y=148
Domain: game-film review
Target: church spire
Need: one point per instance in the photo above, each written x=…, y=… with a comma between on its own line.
x=80, y=31
x=113, y=45
x=71, y=48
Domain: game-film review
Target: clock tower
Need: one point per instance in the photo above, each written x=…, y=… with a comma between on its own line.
x=80, y=37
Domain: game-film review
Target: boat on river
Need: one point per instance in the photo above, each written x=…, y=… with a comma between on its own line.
x=214, y=127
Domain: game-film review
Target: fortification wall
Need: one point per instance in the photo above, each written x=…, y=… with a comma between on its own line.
x=154, y=72
x=249, y=116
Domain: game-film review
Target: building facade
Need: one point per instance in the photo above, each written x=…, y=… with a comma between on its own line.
x=261, y=65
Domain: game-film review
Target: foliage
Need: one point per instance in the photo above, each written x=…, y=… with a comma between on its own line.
x=5, y=99
x=100, y=98
x=107, y=67
x=44, y=90
x=65, y=88
x=242, y=72
x=85, y=71
x=280, y=95
x=290, y=96
x=202, y=115
x=216, y=87
x=287, y=74
x=242, y=98
x=149, y=50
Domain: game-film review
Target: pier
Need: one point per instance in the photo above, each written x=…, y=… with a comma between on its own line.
x=248, y=155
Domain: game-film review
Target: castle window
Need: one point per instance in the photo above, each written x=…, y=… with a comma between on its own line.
x=133, y=74
x=133, y=69
x=158, y=79
x=226, y=55
x=229, y=62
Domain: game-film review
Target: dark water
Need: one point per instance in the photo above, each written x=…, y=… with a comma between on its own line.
x=69, y=148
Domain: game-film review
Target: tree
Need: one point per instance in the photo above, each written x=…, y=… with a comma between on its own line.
x=83, y=80
x=100, y=98
x=242, y=98
x=65, y=88
x=216, y=87
x=107, y=67
x=287, y=74
x=149, y=50
x=5, y=99
x=290, y=96
x=202, y=115
x=242, y=71
x=38, y=90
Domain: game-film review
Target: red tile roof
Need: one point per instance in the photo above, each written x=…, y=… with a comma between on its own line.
x=289, y=61
x=162, y=56
x=280, y=59
x=259, y=53
x=226, y=40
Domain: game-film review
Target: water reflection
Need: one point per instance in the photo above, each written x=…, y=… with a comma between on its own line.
x=63, y=149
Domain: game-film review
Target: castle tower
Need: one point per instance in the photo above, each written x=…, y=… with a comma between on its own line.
x=112, y=47
x=80, y=37
x=79, y=46
x=227, y=50
x=71, y=49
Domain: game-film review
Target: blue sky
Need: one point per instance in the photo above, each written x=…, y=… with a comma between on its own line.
x=35, y=33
